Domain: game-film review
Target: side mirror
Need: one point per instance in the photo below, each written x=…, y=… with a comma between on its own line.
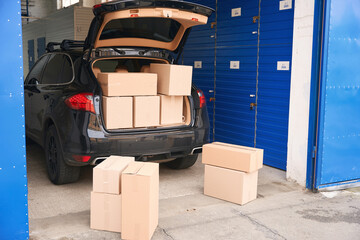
x=33, y=81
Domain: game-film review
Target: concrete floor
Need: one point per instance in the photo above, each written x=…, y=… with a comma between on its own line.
x=283, y=210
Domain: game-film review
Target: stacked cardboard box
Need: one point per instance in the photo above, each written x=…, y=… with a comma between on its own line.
x=174, y=83
x=140, y=203
x=122, y=91
x=125, y=197
x=231, y=171
x=131, y=100
x=106, y=197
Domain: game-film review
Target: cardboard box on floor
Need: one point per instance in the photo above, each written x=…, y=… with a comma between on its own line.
x=173, y=80
x=171, y=109
x=105, y=212
x=140, y=202
x=146, y=111
x=107, y=175
x=118, y=112
x=230, y=185
x=128, y=84
x=231, y=156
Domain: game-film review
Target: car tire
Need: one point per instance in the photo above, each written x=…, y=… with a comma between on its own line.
x=58, y=171
x=182, y=163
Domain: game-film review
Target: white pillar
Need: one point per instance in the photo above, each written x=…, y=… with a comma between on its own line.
x=300, y=91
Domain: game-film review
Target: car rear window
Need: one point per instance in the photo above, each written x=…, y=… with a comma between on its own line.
x=160, y=29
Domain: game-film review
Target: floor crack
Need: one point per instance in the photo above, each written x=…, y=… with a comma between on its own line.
x=166, y=233
x=258, y=224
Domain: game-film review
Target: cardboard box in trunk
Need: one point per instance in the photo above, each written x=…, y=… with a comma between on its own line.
x=146, y=111
x=171, y=109
x=128, y=84
x=107, y=175
x=230, y=185
x=140, y=203
x=118, y=112
x=105, y=212
x=231, y=156
x=173, y=80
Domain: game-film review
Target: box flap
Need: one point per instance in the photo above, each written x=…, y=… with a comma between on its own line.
x=115, y=163
x=232, y=147
x=133, y=168
x=148, y=169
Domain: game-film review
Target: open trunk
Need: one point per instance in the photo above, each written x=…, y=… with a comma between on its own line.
x=140, y=65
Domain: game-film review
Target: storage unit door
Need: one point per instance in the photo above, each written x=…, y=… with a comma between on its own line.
x=41, y=46
x=338, y=159
x=236, y=71
x=273, y=91
x=31, y=55
x=199, y=52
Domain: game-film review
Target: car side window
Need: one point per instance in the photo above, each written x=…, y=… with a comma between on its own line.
x=67, y=70
x=34, y=77
x=53, y=69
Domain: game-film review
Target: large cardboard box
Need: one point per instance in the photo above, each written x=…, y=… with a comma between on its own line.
x=232, y=156
x=107, y=175
x=128, y=84
x=259, y=152
x=171, y=109
x=118, y=112
x=140, y=202
x=230, y=185
x=146, y=111
x=105, y=212
x=174, y=80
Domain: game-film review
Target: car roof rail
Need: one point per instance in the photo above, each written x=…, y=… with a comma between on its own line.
x=65, y=45
x=69, y=44
x=50, y=46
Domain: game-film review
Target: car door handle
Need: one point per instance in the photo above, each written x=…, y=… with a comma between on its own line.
x=46, y=97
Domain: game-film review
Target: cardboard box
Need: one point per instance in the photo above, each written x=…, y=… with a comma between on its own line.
x=118, y=112
x=107, y=175
x=230, y=185
x=173, y=80
x=259, y=152
x=171, y=109
x=105, y=212
x=140, y=203
x=128, y=84
x=232, y=156
x=146, y=111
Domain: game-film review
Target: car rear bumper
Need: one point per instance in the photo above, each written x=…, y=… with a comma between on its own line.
x=152, y=146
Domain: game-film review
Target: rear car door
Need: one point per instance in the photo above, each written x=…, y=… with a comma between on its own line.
x=31, y=89
x=51, y=88
x=148, y=24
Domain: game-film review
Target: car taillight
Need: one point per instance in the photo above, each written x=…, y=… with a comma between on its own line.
x=81, y=101
x=202, y=99
x=81, y=158
x=97, y=6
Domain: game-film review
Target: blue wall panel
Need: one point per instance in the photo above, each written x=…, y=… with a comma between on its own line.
x=13, y=180
x=338, y=158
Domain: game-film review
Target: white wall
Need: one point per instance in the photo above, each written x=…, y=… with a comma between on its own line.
x=300, y=91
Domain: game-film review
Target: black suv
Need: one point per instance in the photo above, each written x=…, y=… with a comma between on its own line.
x=63, y=97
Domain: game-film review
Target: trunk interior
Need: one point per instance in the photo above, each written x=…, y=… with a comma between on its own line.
x=138, y=65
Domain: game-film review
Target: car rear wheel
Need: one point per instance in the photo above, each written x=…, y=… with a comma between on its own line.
x=182, y=163
x=58, y=171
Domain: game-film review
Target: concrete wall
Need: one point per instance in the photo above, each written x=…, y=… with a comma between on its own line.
x=300, y=91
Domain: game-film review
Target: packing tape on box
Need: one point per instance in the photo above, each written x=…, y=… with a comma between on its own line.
x=106, y=181
x=106, y=210
x=137, y=229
